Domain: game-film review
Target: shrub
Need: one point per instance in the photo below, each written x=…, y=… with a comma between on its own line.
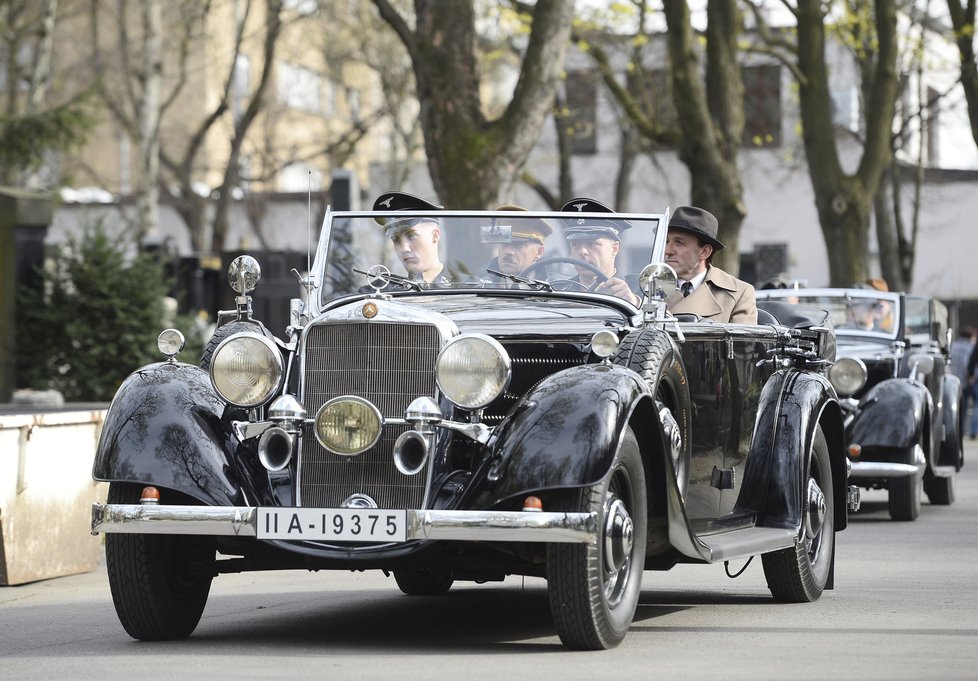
x=94, y=320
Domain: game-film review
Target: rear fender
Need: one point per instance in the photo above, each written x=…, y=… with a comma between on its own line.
x=164, y=428
x=792, y=405
x=891, y=415
x=565, y=432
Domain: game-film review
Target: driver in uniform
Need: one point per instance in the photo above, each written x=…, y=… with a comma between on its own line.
x=597, y=242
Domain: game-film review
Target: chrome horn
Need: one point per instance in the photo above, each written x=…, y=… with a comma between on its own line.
x=410, y=452
x=411, y=447
x=275, y=448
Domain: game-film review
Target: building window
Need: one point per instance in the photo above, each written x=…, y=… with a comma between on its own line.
x=762, y=106
x=300, y=177
x=845, y=109
x=299, y=88
x=933, y=127
x=240, y=83
x=582, y=111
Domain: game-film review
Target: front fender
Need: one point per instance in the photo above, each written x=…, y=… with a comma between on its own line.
x=164, y=428
x=890, y=415
x=565, y=432
x=791, y=406
x=952, y=414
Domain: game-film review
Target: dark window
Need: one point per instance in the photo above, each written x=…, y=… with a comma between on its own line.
x=762, y=106
x=933, y=127
x=582, y=111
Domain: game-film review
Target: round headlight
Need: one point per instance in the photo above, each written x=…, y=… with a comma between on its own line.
x=170, y=342
x=246, y=369
x=472, y=370
x=348, y=425
x=848, y=375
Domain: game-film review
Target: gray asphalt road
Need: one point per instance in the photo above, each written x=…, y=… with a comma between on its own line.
x=904, y=607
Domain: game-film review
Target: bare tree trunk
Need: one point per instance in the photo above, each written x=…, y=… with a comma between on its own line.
x=844, y=201
x=711, y=117
x=148, y=113
x=963, y=22
x=474, y=161
x=273, y=28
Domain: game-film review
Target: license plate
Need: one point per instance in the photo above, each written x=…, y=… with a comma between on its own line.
x=333, y=524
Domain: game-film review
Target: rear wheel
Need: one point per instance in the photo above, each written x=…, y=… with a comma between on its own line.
x=905, y=493
x=799, y=574
x=159, y=582
x=423, y=582
x=594, y=590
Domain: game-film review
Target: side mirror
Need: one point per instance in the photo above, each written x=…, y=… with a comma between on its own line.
x=244, y=274
x=658, y=280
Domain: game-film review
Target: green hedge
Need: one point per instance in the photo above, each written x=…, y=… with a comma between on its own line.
x=95, y=319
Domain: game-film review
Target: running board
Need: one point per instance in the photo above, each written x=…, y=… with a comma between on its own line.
x=749, y=541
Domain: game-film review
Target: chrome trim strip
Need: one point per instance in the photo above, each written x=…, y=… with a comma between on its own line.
x=880, y=469
x=566, y=528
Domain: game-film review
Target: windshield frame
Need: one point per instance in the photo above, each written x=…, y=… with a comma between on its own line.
x=805, y=296
x=318, y=297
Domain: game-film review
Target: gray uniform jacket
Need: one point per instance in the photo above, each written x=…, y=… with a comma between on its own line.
x=720, y=298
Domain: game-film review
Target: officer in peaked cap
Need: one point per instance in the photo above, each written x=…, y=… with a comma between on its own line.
x=597, y=242
x=704, y=289
x=519, y=241
x=415, y=237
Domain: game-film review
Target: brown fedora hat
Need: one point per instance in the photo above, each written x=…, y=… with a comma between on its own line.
x=696, y=221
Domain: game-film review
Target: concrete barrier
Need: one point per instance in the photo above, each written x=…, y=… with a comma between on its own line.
x=46, y=494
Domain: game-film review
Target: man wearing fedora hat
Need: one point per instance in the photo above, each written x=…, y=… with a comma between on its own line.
x=415, y=238
x=704, y=290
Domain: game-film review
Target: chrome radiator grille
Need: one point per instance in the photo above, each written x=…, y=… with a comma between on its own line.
x=388, y=364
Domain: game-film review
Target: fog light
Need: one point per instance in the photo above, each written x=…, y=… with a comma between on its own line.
x=348, y=425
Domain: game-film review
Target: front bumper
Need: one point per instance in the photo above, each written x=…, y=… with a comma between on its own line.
x=235, y=521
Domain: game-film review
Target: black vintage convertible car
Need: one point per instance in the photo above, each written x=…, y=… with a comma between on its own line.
x=903, y=407
x=484, y=424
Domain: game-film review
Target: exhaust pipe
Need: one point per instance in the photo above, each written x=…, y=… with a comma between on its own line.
x=410, y=452
x=275, y=448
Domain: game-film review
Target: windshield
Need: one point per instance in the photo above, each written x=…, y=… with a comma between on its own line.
x=485, y=250
x=861, y=311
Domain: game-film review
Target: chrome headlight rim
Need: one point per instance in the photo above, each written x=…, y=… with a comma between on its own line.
x=276, y=369
x=848, y=375
x=502, y=366
x=346, y=399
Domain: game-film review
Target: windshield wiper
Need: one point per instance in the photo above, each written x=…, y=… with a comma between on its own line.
x=535, y=283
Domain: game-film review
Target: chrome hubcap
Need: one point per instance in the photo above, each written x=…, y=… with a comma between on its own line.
x=814, y=510
x=618, y=536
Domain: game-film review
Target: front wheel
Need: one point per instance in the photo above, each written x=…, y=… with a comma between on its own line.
x=159, y=582
x=799, y=574
x=594, y=590
x=940, y=491
x=905, y=493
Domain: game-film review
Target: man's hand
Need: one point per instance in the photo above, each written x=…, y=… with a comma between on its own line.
x=618, y=287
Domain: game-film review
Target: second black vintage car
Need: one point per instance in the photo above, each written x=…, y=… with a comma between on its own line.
x=492, y=420
x=903, y=408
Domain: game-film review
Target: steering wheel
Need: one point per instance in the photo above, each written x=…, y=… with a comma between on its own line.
x=599, y=276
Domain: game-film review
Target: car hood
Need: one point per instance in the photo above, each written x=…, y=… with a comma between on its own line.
x=521, y=315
